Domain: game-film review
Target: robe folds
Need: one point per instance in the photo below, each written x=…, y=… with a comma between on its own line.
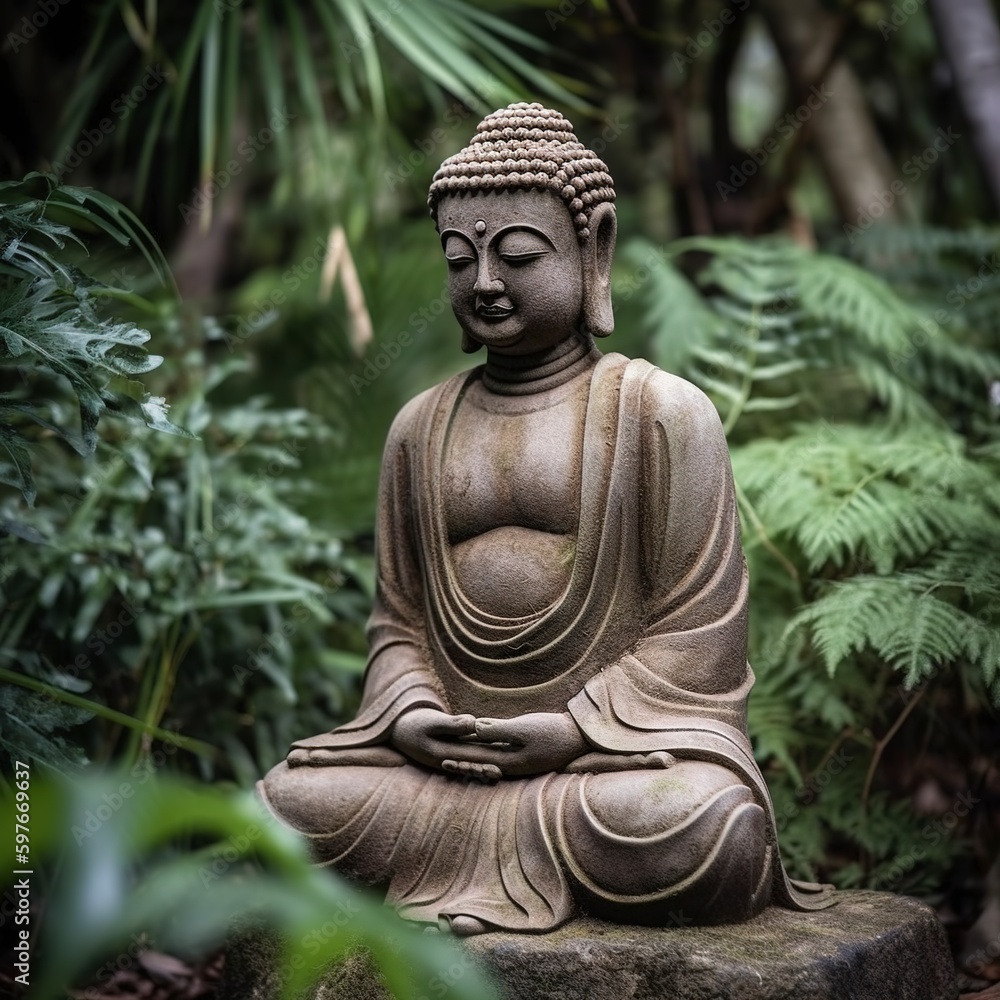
x=646, y=649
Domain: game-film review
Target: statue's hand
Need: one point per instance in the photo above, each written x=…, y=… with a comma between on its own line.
x=431, y=737
x=534, y=743
x=488, y=749
x=603, y=763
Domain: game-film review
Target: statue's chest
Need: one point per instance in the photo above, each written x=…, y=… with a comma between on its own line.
x=514, y=470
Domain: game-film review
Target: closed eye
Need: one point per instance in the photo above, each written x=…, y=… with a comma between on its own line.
x=457, y=250
x=521, y=246
x=522, y=258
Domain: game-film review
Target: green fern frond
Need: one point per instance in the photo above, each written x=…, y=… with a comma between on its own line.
x=900, y=622
x=924, y=258
x=855, y=302
x=845, y=493
x=671, y=305
x=961, y=561
x=777, y=325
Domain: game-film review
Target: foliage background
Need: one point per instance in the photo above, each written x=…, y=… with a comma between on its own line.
x=807, y=218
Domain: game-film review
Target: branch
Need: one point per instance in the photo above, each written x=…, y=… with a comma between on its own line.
x=881, y=744
x=843, y=131
x=970, y=39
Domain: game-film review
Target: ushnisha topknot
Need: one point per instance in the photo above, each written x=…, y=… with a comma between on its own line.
x=524, y=147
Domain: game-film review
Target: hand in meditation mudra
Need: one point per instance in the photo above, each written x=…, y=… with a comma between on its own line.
x=554, y=710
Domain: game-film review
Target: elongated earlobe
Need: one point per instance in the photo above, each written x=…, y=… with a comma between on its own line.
x=469, y=346
x=598, y=251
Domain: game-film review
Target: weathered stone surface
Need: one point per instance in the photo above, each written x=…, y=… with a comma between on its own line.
x=871, y=946
x=560, y=610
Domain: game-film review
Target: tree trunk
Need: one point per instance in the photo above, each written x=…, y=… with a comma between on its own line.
x=853, y=156
x=971, y=40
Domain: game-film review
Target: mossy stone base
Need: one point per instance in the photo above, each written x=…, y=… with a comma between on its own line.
x=870, y=946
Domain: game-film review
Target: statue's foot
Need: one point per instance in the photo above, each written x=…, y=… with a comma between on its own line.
x=462, y=925
x=602, y=763
x=376, y=756
x=488, y=774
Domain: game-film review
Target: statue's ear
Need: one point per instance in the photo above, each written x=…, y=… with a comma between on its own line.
x=469, y=346
x=598, y=249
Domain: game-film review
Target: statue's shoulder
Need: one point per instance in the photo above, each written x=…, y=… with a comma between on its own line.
x=671, y=400
x=411, y=421
x=407, y=419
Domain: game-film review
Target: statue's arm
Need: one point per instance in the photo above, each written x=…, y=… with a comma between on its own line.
x=696, y=617
x=690, y=661
x=398, y=677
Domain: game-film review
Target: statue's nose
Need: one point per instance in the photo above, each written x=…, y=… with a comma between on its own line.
x=486, y=284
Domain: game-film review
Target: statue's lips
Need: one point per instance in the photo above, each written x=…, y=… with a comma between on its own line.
x=494, y=311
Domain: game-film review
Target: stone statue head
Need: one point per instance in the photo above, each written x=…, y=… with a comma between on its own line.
x=527, y=223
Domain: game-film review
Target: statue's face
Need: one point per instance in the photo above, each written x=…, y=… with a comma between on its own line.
x=515, y=271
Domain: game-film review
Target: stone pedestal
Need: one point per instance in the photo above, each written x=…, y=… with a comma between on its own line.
x=870, y=946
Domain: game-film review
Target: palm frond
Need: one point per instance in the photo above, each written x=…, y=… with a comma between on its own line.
x=56, y=328
x=314, y=62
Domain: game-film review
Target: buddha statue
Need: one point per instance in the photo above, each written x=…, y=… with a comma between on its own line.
x=554, y=711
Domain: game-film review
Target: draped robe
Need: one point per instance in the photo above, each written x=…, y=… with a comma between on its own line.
x=646, y=649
